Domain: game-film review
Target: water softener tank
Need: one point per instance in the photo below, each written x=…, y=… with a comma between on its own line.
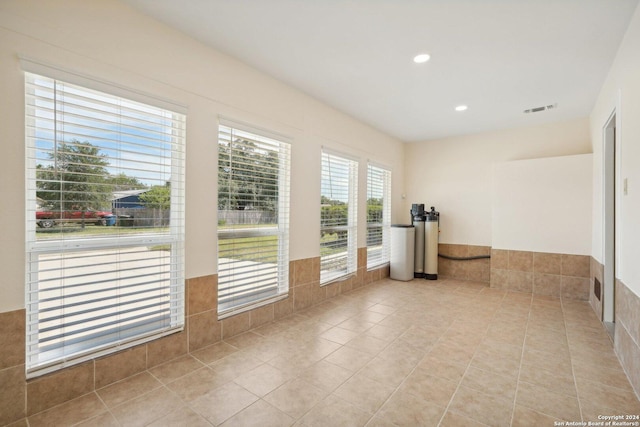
x=418, y=221
x=431, y=230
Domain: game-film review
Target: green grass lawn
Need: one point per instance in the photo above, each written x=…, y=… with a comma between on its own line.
x=74, y=230
x=245, y=248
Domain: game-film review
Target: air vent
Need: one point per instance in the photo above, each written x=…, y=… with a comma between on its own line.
x=539, y=109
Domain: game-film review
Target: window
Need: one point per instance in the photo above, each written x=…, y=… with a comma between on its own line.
x=100, y=278
x=378, y=215
x=253, y=218
x=338, y=223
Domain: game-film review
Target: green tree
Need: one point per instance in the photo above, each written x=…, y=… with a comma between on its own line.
x=158, y=198
x=247, y=177
x=374, y=210
x=123, y=182
x=75, y=179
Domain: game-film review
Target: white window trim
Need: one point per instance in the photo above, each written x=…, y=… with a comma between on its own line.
x=351, y=227
x=282, y=229
x=175, y=237
x=386, y=216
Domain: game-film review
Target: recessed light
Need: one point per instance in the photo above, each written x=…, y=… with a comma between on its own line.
x=461, y=107
x=422, y=58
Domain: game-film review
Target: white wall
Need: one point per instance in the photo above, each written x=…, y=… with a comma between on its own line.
x=109, y=41
x=455, y=174
x=621, y=92
x=543, y=205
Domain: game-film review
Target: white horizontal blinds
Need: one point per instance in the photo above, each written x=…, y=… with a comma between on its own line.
x=253, y=218
x=378, y=215
x=105, y=222
x=338, y=210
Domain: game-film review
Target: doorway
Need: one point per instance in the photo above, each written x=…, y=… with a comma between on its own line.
x=610, y=199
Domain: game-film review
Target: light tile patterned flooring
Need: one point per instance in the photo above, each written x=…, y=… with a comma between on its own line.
x=420, y=353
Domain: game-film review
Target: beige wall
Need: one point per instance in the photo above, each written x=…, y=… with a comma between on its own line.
x=455, y=174
x=109, y=41
x=543, y=205
x=621, y=92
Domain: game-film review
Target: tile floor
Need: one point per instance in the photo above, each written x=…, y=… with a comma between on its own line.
x=421, y=353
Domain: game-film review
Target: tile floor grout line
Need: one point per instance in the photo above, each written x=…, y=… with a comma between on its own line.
x=446, y=409
x=573, y=371
x=524, y=341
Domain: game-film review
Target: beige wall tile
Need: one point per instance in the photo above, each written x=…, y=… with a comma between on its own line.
x=575, y=288
x=318, y=294
x=204, y=329
x=629, y=354
x=445, y=268
x=306, y=270
x=453, y=250
x=547, y=284
x=521, y=261
x=520, y=281
x=262, y=315
x=303, y=296
x=332, y=289
x=499, y=259
x=202, y=294
x=167, y=348
x=362, y=258
x=12, y=338
x=284, y=307
x=628, y=310
x=64, y=385
x=478, y=270
x=547, y=263
x=575, y=265
x=12, y=394
x=235, y=325
x=479, y=250
x=121, y=365
x=346, y=285
x=499, y=278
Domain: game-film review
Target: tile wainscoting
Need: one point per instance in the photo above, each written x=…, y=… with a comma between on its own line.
x=597, y=272
x=477, y=270
x=627, y=333
x=556, y=275
x=20, y=398
x=627, y=323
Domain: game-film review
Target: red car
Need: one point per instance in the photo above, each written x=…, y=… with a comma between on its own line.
x=47, y=219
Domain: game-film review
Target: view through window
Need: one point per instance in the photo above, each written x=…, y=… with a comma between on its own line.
x=105, y=222
x=253, y=217
x=338, y=220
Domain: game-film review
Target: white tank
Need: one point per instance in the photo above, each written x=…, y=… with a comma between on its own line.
x=431, y=249
x=402, y=250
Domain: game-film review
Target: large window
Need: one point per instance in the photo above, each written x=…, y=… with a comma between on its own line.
x=378, y=215
x=104, y=220
x=253, y=217
x=338, y=210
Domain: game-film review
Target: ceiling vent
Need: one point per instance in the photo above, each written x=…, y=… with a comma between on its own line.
x=539, y=109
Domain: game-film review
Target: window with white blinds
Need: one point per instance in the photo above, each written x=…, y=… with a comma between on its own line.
x=253, y=217
x=378, y=215
x=104, y=220
x=338, y=217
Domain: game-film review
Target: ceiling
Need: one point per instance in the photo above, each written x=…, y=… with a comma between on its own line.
x=499, y=57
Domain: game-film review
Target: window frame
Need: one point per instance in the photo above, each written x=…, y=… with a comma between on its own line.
x=385, y=225
x=172, y=281
x=280, y=230
x=330, y=275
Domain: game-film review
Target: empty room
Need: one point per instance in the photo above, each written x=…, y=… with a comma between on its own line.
x=320, y=213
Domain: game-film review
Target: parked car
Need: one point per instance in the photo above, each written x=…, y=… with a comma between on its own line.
x=47, y=219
